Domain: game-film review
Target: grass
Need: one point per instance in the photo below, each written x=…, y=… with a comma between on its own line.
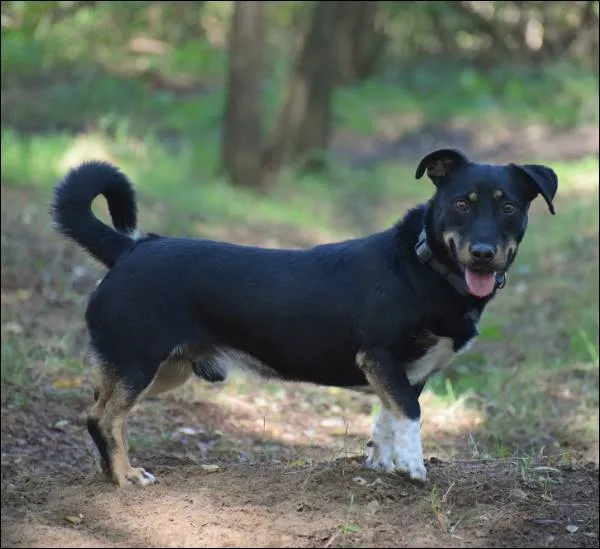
x=306, y=202
x=14, y=360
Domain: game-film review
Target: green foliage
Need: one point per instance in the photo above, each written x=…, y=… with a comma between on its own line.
x=14, y=361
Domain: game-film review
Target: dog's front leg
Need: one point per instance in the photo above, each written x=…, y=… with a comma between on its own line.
x=396, y=443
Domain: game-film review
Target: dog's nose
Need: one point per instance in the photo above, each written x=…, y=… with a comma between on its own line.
x=482, y=253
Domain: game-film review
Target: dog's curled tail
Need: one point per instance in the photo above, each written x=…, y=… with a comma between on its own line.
x=71, y=210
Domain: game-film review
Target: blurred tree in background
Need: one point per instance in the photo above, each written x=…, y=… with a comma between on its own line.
x=306, y=51
x=242, y=134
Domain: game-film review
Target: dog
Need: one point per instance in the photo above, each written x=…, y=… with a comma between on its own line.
x=385, y=311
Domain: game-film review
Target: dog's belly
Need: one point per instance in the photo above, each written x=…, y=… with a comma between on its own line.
x=440, y=353
x=226, y=360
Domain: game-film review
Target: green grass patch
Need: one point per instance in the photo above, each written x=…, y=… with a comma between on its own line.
x=14, y=361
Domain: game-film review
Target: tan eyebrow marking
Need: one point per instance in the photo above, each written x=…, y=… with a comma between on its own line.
x=473, y=196
x=498, y=194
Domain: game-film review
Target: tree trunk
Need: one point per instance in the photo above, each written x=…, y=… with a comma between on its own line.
x=360, y=41
x=242, y=128
x=302, y=129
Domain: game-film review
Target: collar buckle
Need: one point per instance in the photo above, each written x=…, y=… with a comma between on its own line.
x=422, y=248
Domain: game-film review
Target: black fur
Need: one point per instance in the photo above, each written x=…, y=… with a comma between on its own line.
x=72, y=214
x=305, y=314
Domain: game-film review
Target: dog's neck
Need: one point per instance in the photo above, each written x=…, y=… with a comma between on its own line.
x=426, y=255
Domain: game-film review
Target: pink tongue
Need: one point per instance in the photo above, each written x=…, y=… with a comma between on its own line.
x=480, y=284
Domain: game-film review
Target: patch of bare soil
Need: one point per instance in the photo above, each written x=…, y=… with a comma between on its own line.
x=328, y=504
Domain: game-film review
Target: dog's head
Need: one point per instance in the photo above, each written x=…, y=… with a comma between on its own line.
x=479, y=211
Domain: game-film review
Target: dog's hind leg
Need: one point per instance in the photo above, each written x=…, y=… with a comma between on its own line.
x=106, y=426
x=114, y=398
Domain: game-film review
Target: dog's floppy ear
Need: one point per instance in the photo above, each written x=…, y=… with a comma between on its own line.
x=440, y=163
x=541, y=180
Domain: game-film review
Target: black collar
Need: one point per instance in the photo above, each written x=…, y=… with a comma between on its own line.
x=425, y=256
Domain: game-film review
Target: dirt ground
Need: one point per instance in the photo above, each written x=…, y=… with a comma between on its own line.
x=227, y=481
x=246, y=464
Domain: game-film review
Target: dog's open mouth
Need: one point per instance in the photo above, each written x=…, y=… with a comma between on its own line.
x=479, y=283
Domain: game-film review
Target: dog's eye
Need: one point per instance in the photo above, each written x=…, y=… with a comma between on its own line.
x=509, y=208
x=462, y=205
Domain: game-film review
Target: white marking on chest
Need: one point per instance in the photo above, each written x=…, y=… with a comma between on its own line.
x=437, y=358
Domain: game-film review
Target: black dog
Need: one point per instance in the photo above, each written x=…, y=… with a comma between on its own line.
x=385, y=310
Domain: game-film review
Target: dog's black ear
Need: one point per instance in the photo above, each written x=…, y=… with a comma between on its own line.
x=540, y=180
x=440, y=163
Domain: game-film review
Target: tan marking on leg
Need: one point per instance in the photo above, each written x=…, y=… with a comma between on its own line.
x=369, y=368
x=104, y=384
x=111, y=407
x=123, y=473
x=171, y=374
x=111, y=425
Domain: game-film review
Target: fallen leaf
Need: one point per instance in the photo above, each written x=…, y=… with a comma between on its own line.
x=74, y=519
x=571, y=528
x=333, y=422
x=23, y=295
x=66, y=383
x=61, y=424
x=295, y=463
x=210, y=468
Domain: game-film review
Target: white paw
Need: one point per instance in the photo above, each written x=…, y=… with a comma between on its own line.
x=380, y=449
x=379, y=458
x=396, y=446
x=412, y=466
x=140, y=477
x=408, y=451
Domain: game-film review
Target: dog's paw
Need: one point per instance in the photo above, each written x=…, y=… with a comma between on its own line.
x=408, y=451
x=412, y=466
x=137, y=476
x=379, y=458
